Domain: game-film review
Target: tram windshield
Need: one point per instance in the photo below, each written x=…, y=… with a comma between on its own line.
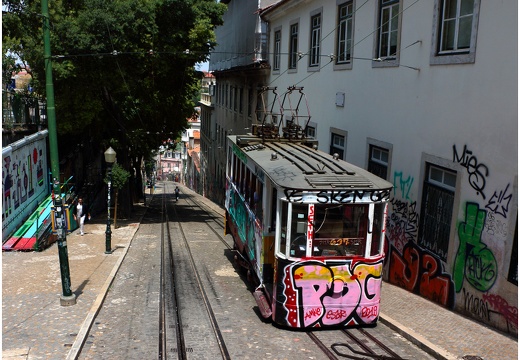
x=340, y=230
x=336, y=230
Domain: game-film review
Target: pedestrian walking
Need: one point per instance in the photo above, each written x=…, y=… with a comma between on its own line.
x=177, y=193
x=79, y=215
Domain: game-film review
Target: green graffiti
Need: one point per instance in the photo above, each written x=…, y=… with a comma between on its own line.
x=474, y=261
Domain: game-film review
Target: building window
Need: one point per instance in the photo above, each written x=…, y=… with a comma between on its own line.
x=314, y=59
x=311, y=132
x=293, y=46
x=437, y=210
x=454, y=34
x=226, y=104
x=337, y=145
x=277, y=49
x=456, y=20
x=235, y=101
x=388, y=29
x=241, y=100
x=345, y=36
x=232, y=98
x=378, y=161
x=249, y=101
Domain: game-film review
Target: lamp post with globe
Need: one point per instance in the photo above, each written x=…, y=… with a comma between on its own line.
x=110, y=159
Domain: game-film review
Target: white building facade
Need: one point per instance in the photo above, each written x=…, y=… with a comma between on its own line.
x=424, y=94
x=240, y=65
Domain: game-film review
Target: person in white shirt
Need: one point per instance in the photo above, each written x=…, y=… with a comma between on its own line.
x=80, y=214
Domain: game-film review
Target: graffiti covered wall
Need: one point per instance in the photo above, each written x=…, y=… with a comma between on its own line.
x=24, y=180
x=475, y=274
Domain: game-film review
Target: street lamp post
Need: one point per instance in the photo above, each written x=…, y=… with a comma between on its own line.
x=110, y=159
x=68, y=297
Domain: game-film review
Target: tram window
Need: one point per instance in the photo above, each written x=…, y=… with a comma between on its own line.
x=256, y=197
x=252, y=192
x=243, y=179
x=247, y=185
x=340, y=230
x=283, y=234
x=236, y=175
x=229, y=168
x=377, y=230
x=299, y=230
x=274, y=199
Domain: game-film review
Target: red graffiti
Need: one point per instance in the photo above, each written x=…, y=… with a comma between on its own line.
x=292, y=317
x=336, y=314
x=433, y=287
x=316, y=312
x=369, y=311
x=310, y=225
x=501, y=305
x=419, y=271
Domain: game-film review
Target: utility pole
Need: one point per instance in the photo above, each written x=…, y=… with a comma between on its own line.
x=67, y=298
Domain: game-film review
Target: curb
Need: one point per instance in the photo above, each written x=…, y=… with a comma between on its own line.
x=98, y=303
x=417, y=339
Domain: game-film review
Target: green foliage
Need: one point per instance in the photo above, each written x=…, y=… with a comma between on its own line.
x=121, y=69
x=119, y=176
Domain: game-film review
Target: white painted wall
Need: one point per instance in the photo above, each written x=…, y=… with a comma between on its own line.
x=423, y=114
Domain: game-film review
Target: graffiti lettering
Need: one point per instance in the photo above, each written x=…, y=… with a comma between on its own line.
x=313, y=313
x=499, y=203
x=293, y=195
x=378, y=196
x=340, y=290
x=475, y=306
x=281, y=174
x=474, y=261
x=347, y=196
x=341, y=196
x=495, y=227
x=477, y=172
x=510, y=313
x=336, y=314
x=310, y=225
x=402, y=224
x=480, y=269
x=421, y=272
x=404, y=185
x=369, y=311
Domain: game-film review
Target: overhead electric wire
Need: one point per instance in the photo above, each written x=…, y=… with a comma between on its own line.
x=377, y=29
x=116, y=53
x=352, y=47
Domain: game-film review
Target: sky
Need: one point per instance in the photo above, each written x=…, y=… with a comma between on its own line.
x=202, y=66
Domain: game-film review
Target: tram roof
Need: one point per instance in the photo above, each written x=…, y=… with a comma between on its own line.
x=292, y=164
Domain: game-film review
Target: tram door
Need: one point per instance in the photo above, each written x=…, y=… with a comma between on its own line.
x=269, y=217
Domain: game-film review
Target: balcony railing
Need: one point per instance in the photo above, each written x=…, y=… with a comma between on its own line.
x=206, y=98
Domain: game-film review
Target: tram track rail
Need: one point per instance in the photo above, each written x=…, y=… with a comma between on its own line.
x=179, y=295
x=356, y=348
x=169, y=267
x=215, y=219
x=377, y=349
x=355, y=344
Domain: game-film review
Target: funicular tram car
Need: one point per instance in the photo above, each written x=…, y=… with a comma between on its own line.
x=310, y=229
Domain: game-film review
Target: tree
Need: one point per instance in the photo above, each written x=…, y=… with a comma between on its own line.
x=119, y=179
x=123, y=69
